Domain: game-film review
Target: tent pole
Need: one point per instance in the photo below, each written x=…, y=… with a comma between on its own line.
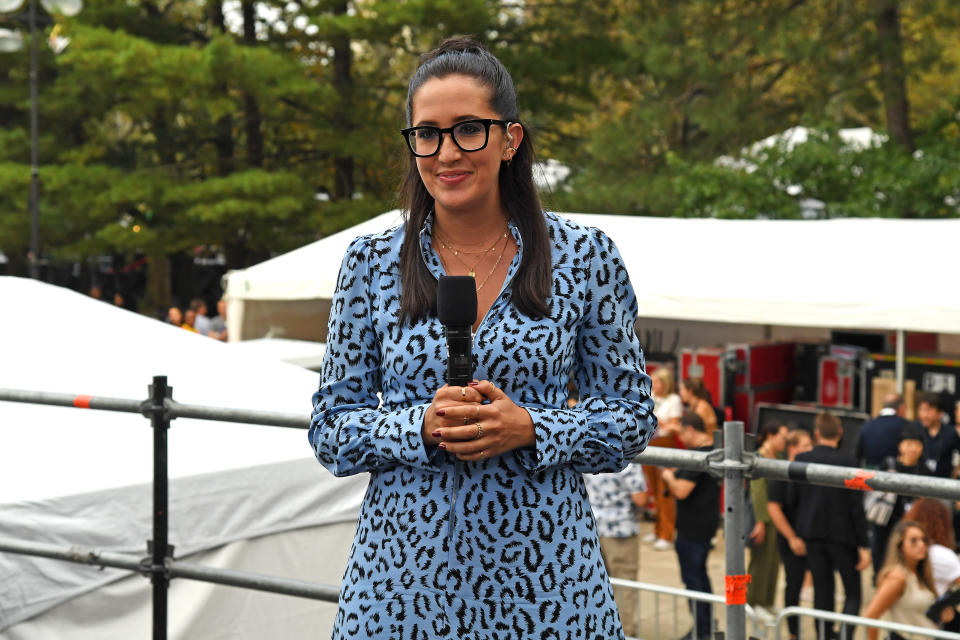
x=901, y=359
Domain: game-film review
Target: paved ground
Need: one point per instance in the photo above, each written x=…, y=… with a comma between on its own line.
x=665, y=617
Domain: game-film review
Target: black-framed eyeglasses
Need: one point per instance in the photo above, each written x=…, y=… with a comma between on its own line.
x=469, y=135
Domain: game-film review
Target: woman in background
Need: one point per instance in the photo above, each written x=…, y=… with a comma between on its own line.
x=694, y=395
x=764, y=559
x=905, y=583
x=668, y=407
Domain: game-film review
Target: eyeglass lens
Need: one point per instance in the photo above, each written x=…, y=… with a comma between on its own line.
x=469, y=136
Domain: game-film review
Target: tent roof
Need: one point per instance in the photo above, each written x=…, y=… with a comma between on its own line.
x=81, y=477
x=858, y=273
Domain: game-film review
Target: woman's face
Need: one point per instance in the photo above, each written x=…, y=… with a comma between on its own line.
x=659, y=389
x=461, y=181
x=778, y=440
x=914, y=545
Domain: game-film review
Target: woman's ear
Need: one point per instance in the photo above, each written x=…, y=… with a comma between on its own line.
x=514, y=134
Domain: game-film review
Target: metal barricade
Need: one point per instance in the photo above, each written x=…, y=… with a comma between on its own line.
x=843, y=621
x=679, y=617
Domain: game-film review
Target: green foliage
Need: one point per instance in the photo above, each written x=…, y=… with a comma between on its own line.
x=163, y=129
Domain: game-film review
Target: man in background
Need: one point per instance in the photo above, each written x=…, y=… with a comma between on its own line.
x=833, y=527
x=879, y=437
x=616, y=499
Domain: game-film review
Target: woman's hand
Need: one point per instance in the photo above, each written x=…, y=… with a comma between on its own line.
x=461, y=424
x=758, y=534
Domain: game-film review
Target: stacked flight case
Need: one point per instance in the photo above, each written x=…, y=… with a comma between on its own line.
x=743, y=375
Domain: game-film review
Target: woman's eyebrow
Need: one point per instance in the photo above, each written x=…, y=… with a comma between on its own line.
x=431, y=123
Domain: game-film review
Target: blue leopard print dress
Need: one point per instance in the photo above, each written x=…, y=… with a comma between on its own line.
x=504, y=548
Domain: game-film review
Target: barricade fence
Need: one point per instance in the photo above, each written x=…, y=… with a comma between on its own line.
x=729, y=460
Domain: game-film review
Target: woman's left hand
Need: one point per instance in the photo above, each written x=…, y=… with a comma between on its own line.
x=476, y=432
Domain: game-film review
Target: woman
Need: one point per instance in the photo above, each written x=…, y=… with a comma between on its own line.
x=904, y=585
x=764, y=559
x=694, y=395
x=476, y=523
x=934, y=516
x=668, y=408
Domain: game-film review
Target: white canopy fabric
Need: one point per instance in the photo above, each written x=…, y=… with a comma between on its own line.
x=859, y=273
x=76, y=477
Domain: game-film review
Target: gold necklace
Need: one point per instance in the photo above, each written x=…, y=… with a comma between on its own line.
x=496, y=264
x=471, y=270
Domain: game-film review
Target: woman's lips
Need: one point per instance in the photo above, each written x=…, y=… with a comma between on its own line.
x=452, y=178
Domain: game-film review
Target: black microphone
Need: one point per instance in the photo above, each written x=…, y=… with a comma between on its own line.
x=457, y=310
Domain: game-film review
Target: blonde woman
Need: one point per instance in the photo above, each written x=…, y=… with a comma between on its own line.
x=668, y=408
x=905, y=583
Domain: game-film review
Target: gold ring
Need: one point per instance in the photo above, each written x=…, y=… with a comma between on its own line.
x=483, y=452
x=463, y=392
x=466, y=420
x=479, y=432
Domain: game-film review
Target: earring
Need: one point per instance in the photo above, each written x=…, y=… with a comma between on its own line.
x=509, y=158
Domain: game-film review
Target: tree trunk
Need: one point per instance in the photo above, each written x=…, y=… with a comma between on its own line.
x=223, y=127
x=156, y=298
x=343, y=166
x=892, y=74
x=251, y=110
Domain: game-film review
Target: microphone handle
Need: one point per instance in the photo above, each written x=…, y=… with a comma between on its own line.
x=459, y=356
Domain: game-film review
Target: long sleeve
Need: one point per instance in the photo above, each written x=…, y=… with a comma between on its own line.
x=614, y=419
x=348, y=432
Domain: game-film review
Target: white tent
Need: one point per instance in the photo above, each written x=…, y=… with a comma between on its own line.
x=844, y=274
x=242, y=496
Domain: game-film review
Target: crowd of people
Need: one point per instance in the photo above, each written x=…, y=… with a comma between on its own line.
x=194, y=318
x=815, y=533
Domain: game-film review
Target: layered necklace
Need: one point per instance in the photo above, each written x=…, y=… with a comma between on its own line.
x=501, y=242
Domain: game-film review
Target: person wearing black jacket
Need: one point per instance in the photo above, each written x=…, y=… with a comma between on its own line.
x=833, y=527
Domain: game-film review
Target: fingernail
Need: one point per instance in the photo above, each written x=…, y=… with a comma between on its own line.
x=436, y=434
x=473, y=383
x=442, y=445
x=441, y=412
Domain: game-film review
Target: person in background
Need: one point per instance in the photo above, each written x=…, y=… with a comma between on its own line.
x=668, y=407
x=218, y=324
x=201, y=322
x=174, y=316
x=95, y=292
x=939, y=443
x=616, y=499
x=878, y=438
x=694, y=395
x=910, y=449
x=764, y=562
x=833, y=527
x=905, y=584
x=934, y=516
x=698, y=515
x=189, y=317
x=781, y=507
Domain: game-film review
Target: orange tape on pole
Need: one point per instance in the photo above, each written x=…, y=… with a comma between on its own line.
x=859, y=481
x=737, y=589
x=82, y=402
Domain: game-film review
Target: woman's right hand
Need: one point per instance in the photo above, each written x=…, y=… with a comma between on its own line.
x=446, y=397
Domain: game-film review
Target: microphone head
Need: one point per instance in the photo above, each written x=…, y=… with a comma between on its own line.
x=457, y=301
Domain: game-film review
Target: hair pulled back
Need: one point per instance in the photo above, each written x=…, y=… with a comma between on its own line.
x=533, y=281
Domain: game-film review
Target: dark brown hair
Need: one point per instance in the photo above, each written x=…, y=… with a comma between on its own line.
x=533, y=281
x=696, y=387
x=691, y=419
